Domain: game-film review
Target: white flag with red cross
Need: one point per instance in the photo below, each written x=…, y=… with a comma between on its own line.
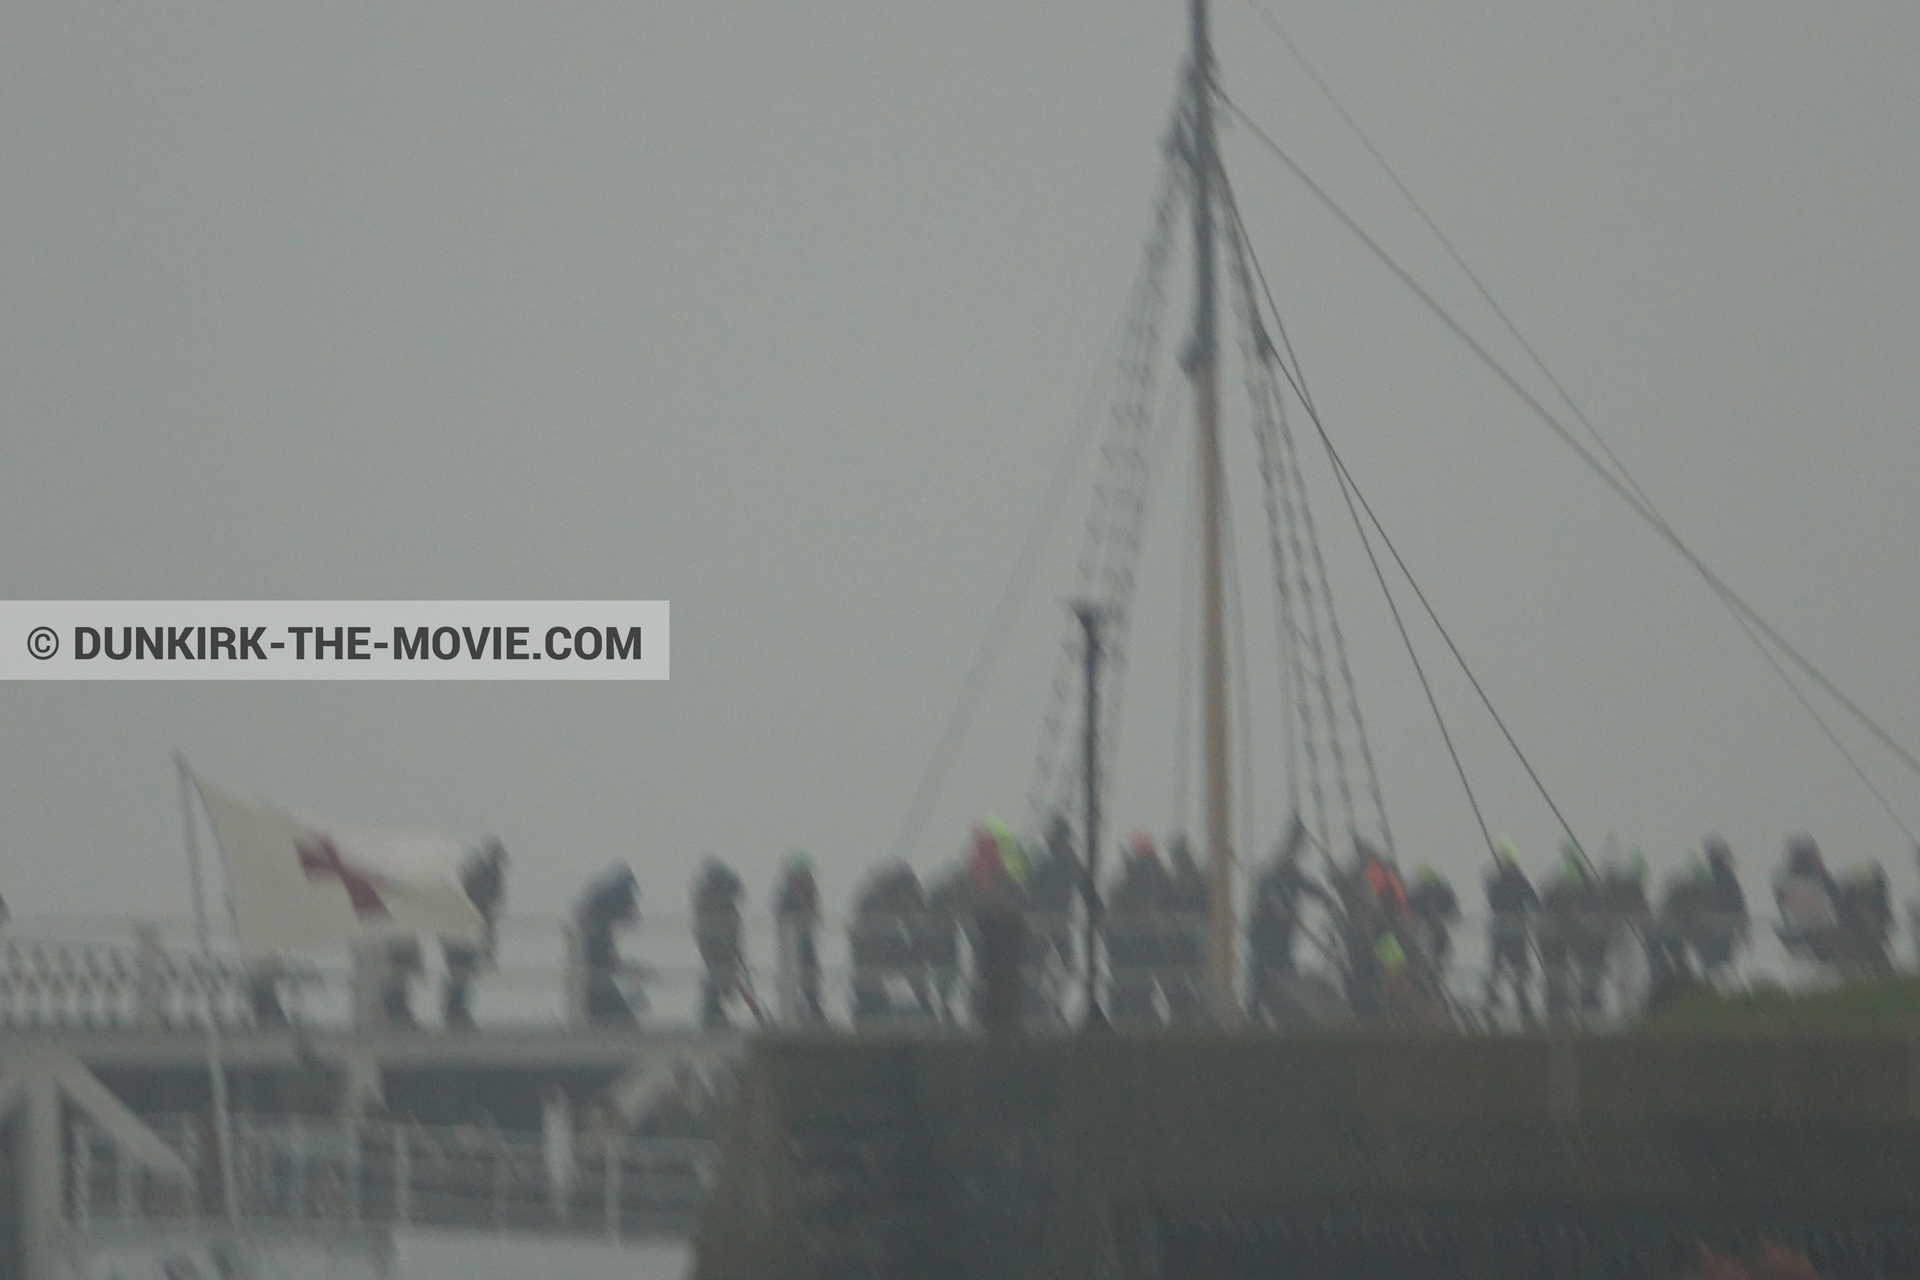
x=296, y=885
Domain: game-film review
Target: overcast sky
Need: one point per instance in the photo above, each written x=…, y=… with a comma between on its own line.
x=784, y=313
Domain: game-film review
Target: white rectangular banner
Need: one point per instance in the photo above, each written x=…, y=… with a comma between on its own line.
x=295, y=885
x=333, y=640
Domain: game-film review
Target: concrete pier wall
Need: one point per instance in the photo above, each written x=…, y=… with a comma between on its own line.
x=1335, y=1154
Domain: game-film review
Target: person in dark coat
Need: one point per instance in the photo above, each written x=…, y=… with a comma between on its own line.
x=1184, y=937
x=882, y=939
x=949, y=903
x=1724, y=909
x=484, y=877
x=1135, y=908
x=263, y=991
x=1809, y=902
x=716, y=932
x=999, y=934
x=1280, y=897
x=1054, y=880
x=1619, y=910
x=1572, y=936
x=1511, y=902
x=1674, y=934
x=1866, y=915
x=609, y=903
x=796, y=914
x=405, y=964
x=1435, y=908
x=1053, y=885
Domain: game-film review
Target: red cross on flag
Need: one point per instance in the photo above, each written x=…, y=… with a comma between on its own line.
x=295, y=885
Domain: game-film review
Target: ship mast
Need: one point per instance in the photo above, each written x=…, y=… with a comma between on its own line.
x=1203, y=372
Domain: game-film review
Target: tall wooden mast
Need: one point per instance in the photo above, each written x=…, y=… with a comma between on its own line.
x=1203, y=371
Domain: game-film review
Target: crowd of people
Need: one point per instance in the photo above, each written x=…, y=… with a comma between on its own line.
x=1324, y=938
x=1377, y=946
x=904, y=936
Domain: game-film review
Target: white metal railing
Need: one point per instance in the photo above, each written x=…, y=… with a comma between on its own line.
x=74, y=983
x=119, y=973
x=314, y=1172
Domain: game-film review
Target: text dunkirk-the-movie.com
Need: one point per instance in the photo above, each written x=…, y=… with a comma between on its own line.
x=333, y=640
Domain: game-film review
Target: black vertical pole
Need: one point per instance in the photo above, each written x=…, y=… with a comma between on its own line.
x=1089, y=615
x=1204, y=156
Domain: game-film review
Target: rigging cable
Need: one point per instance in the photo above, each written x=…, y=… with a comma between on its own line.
x=1261, y=394
x=1118, y=616
x=1420, y=210
x=1242, y=251
x=1283, y=534
x=1257, y=335
x=1566, y=397
x=1335, y=751
x=1297, y=380
x=1013, y=594
x=1293, y=472
x=1183, y=668
x=1347, y=492
x=1276, y=463
x=1164, y=432
x=1118, y=487
x=1653, y=518
x=1832, y=737
x=1237, y=667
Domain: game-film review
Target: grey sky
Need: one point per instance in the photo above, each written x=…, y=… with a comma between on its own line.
x=783, y=312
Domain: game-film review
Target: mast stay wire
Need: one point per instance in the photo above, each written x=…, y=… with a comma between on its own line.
x=1731, y=598
x=1013, y=594
x=1297, y=381
x=1539, y=363
x=1286, y=634
x=1283, y=537
x=1346, y=117
x=1115, y=669
x=1261, y=345
x=1347, y=492
x=1296, y=378
x=1236, y=605
x=1269, y=357
x=1289, y=475
x=1117, y=485
x=1253, y=342
x=1281, y=533
x=1301, y=511
x=1183, y=730
x=1335, y=751
x=1858, y=772
x=1340, y=649
x=1340, y=466
x=1012, y=597
x=1113, y=521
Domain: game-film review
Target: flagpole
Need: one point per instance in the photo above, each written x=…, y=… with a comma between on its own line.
x=194, y=877
x=216, y=1069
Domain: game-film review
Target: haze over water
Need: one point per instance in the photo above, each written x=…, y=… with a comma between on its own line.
x=784, y=313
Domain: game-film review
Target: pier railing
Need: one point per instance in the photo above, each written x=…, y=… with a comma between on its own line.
x=315, y=1172
x=120, y=973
